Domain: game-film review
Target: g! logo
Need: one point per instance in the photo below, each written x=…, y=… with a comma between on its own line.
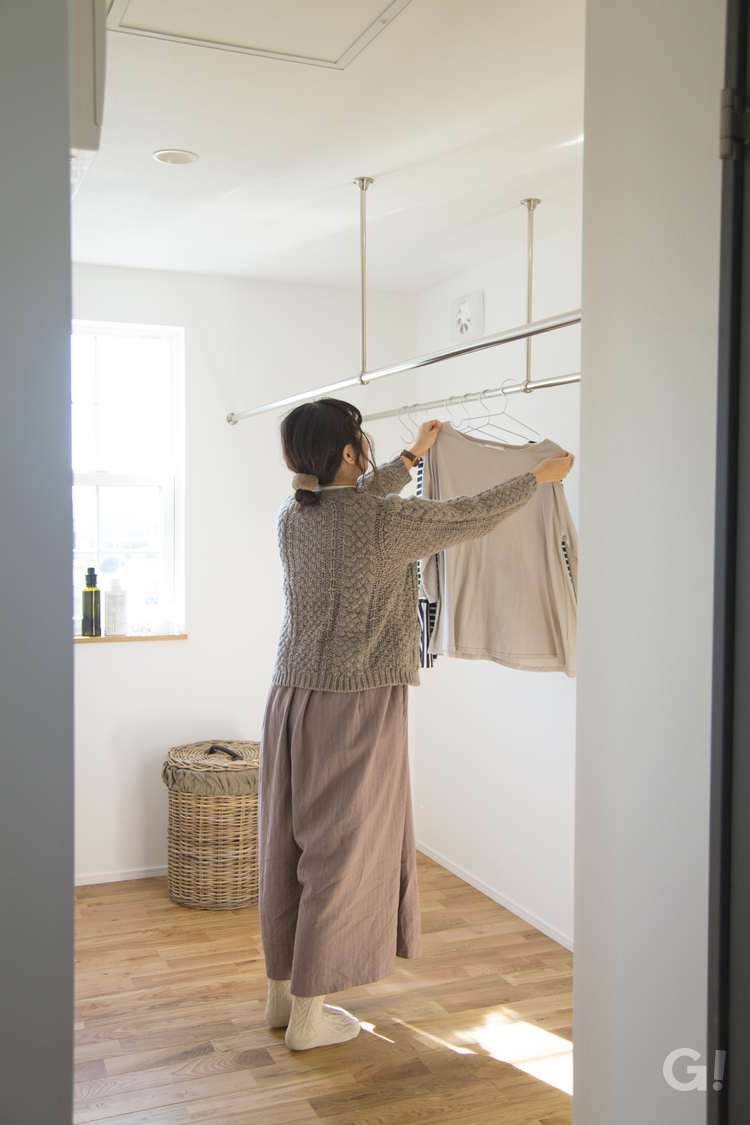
x=697, y=1082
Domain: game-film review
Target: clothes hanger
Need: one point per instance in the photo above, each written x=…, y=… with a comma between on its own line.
x=410, y=434
x=449, y=411
x=487, y=422
x=518, y=421
x=463, y=424
x=412, y=419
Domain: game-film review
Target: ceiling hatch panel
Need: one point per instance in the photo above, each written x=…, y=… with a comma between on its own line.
x=318, y=32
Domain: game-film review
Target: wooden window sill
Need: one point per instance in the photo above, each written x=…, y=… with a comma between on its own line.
x=140, y=637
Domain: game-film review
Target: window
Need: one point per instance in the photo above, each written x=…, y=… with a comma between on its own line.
x=127, y=391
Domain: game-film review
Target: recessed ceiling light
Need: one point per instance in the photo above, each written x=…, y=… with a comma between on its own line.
x=175, y=156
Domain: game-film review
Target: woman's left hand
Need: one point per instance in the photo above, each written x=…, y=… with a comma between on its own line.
x=554, y=468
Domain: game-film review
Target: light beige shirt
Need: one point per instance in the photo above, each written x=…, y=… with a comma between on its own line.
x=509, y=596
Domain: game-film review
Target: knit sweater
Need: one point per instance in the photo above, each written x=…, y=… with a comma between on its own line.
x=350, y=575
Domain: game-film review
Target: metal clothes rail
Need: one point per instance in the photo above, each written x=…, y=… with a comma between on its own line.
x=507, y=337
x=524, y=332
x=477, y=396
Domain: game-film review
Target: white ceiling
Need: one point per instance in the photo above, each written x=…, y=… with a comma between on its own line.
x=457, y=110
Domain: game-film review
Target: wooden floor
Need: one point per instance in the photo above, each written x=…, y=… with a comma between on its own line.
x=170, y=1026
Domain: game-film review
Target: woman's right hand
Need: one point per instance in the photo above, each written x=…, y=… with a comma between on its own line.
x=426, y=437
x=554, y=468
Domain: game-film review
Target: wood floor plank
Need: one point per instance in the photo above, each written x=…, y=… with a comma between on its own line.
x=92, y=1052
x=162, y=1056
x=167, y=1115
x=90, y=1090
x=159, y=1097
x=170, y=1027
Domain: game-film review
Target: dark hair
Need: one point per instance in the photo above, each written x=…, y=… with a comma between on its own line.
x=314, y=436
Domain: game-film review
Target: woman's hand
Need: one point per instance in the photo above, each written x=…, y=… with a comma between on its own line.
x=428, y=432
x=554, y=468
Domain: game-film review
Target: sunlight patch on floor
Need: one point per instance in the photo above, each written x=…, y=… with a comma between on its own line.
x=433, y=1038
x=371, y=1028
x=537, y=1052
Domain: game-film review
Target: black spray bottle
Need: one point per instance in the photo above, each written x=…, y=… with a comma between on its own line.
x=92, y=618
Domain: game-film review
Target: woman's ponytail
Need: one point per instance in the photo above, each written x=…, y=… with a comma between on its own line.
x=306, y=498
x=305, y=486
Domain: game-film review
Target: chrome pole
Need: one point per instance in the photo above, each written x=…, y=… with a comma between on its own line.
x=508, y=336
x=363, y=182
x=477, y=396
x=531, y=206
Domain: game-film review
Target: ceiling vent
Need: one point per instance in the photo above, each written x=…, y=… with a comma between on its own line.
x=316, y=32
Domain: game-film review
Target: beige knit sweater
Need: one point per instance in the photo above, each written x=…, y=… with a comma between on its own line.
x=350, y=575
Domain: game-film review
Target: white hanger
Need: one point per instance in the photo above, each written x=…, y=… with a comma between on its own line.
x=410, y=434
x=413, y=421
x=487, y=423
x=518, y=421
x=464, y=424
x=448, y=409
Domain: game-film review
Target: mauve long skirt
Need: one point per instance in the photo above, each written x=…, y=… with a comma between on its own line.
x=338, y=884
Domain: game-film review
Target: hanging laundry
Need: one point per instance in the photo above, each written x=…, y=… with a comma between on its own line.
x=427, y=610
x=510, y=596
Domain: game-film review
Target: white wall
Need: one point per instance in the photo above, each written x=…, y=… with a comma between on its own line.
x=493, y=748
x=650, y=285
x=246, y=342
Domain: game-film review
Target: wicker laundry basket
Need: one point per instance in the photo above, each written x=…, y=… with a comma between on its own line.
x=212, y=852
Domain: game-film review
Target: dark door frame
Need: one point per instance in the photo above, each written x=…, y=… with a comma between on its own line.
x=728, y=1095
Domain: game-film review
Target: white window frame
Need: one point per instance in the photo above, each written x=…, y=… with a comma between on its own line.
x=171, y=484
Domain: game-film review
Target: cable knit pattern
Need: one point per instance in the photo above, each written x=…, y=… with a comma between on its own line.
x=279, y=1003
x=315, y=1024
x=350, y=575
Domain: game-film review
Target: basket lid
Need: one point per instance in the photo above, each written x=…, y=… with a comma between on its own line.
x=215, y=756
x=213, y=768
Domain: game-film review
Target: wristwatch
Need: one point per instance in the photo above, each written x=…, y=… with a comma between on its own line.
x=413, y=457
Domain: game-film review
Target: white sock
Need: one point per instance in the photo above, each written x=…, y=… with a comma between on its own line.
x=315, y=1024
x=279, y=1004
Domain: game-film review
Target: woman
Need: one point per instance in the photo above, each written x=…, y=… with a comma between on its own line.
x=338, y=888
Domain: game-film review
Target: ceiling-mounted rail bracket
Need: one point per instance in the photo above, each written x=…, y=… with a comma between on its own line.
x=735, y=125
x=531, y=206
x=363, y=182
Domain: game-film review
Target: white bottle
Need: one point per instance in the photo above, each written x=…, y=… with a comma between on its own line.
x=115, y=611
